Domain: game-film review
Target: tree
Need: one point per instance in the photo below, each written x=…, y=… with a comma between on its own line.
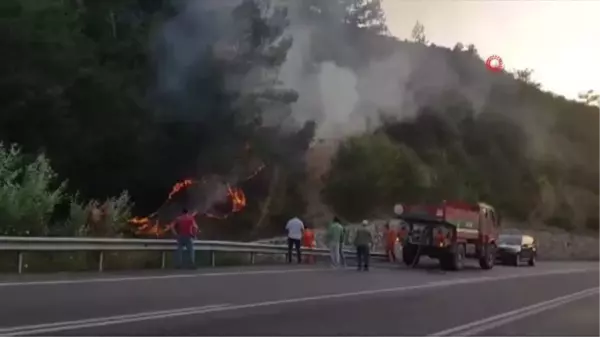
x=137, y=95
x=362, y=15
x=367, y=15
x=31, y=197
x=458, y=47
x=27, y=194
x=73, y=96
x=369, y=174
x=418, y=33
x=524, y=76
x=590, y=97
x=472, y=50
x=92, y=92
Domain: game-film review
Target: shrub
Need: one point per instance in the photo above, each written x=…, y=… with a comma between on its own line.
x=95, y=218
x=28, y=193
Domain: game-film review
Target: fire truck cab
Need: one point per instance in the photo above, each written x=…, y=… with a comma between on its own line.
x=450, y=232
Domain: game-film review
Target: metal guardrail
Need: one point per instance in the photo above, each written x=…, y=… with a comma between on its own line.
x=101, y=245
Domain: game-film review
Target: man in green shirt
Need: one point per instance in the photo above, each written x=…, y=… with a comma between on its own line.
x=363, y=242
x=333, y=238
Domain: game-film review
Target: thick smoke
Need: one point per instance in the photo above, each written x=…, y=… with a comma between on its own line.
x=347, y=101
x=201, y=34
x=348, y=97
x=343, y=96
x=189, y=46
x=346, y=91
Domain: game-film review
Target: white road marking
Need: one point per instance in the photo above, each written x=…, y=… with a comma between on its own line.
x=156, y=277
x=57, y=326
x=492, y=322
x=114, y=320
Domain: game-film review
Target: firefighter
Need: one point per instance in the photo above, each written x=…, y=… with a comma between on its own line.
x=391, y=236
x=309, y=243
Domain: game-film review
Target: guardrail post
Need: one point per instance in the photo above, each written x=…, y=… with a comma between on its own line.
x=101, y=261
x=212, y=258
x=163, y=260
x=252, y=257
x=20, y=262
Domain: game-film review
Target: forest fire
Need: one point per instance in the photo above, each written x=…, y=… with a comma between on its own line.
x=150, y=225
x=238, y=202
x=180, y=186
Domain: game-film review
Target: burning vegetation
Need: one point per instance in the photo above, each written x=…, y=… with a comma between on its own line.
x=156, y=225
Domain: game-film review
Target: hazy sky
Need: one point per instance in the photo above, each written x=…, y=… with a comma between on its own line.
x=559, y=40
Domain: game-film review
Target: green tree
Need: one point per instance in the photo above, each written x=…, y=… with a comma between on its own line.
x=369, y=174
x=28, y=193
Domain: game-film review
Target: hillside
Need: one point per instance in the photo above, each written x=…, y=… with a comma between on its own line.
x=436, y=124
x=215, y=107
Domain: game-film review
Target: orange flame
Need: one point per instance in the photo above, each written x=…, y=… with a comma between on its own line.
x=238, y=202
x=180, y=186
x=238, y=199
x=151, y=227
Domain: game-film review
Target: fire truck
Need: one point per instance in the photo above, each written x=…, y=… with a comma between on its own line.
x=450, y=232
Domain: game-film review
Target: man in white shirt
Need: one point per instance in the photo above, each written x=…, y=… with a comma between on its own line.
x=294, y=227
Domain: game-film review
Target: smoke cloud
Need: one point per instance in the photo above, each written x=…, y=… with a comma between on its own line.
x=346, y=94
x=343, y=96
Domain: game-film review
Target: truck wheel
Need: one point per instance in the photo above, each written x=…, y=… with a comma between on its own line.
x=454, y=260
x=409, y=254
x=446, y=261
x=532, y=261
x=489, y=257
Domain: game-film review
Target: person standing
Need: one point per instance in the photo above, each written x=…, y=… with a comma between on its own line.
x=333, y=238
x=343, y=236
x=185, y=230
x=363, y=242
x=294, y=227
x=391, y=236
x=308, y=242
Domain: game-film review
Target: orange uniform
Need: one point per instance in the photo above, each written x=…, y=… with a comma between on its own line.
x=308, y=241
x=390, y=241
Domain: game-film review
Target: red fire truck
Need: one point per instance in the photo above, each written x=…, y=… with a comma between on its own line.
x=449, y=232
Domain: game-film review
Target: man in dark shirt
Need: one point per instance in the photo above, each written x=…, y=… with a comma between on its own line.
x=185, y=230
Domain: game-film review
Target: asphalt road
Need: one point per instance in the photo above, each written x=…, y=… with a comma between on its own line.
x=550, y=299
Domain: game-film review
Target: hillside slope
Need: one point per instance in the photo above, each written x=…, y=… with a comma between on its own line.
x=457, y=130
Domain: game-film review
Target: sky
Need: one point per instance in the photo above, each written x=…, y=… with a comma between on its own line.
x=558, y=39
